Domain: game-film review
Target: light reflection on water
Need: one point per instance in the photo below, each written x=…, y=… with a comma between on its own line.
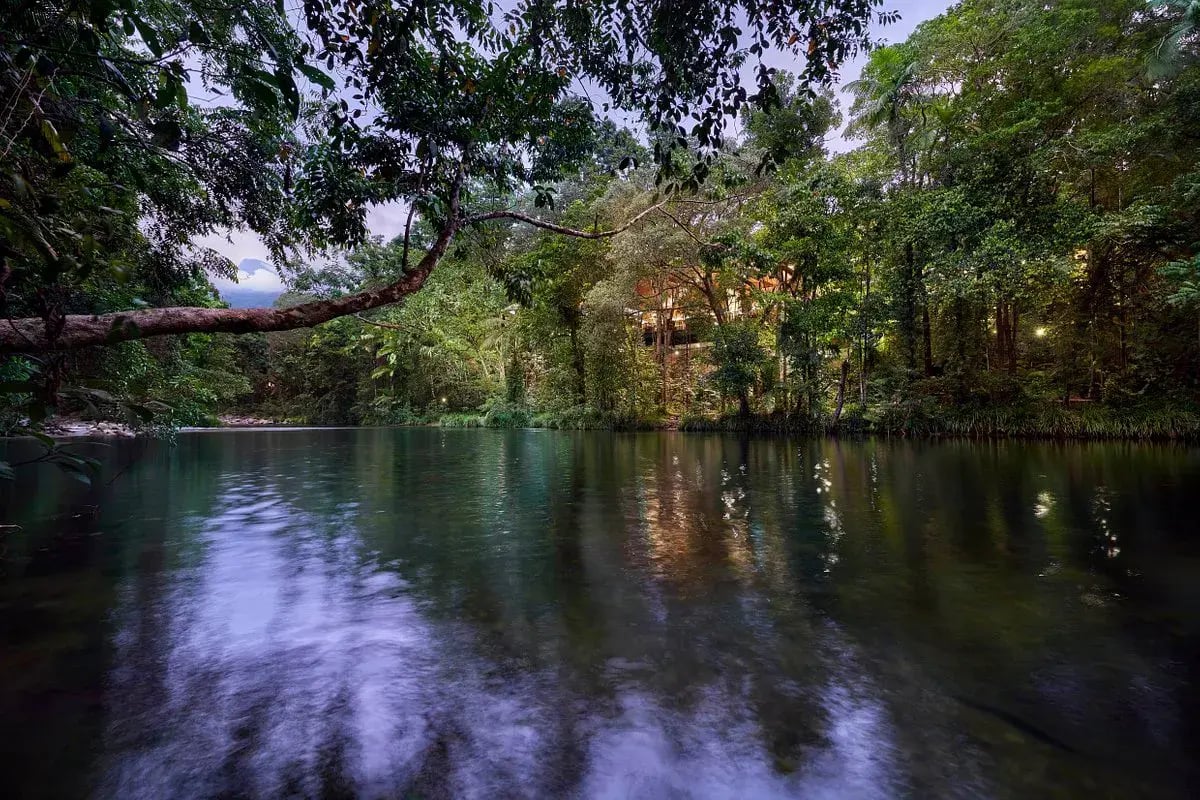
x=424, y=613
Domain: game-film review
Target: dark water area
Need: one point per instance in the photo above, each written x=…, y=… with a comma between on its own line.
x=493, y=614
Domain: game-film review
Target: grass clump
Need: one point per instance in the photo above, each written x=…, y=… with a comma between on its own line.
x=587, y=418
x=461, y=420
x=507, y=415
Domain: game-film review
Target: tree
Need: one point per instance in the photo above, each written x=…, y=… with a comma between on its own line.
x=1168, y=57
x=890, y=98
x=440, y=107
x=805, y=237
x=1186, y=277
x=738, y=358
x=795, y=128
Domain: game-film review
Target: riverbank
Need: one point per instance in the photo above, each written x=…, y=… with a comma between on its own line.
x=1092, y=422
x=1046, y=422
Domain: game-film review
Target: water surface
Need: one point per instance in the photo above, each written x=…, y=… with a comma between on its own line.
x=462, y=613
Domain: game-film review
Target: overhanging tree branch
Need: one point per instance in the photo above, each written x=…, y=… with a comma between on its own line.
x=691, y=235
x=77, y=331
x=517, y=216
x=87, y=330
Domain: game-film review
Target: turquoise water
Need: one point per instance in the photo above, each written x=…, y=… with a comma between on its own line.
x=473, y=613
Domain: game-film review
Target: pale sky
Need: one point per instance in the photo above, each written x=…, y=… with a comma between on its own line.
x=388, y=221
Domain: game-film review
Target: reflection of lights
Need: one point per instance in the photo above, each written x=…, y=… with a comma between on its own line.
x=834, y=521
x=1044, y=504
x=824, y=484
x=731, y=499
x=1053, y=568
x=1111, y=550
x=1102, y=508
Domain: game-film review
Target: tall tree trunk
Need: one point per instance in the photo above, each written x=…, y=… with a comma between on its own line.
x=689, y=395
x=862, y=380
x=841, y=394
x=1001, y=334
x=782, y=395
x=866, y=334
x=634, y=344
x=1123, y=317
x=580, y=387
x=1012, y=337
x=927, y=338
x=662, y=339
x=1008, y=318
x=960, y=333
x=909, y=323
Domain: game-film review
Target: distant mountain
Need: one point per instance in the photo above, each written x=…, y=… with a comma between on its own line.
x=257, y=285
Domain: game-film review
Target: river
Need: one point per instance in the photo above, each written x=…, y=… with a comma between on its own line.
x=404, y=613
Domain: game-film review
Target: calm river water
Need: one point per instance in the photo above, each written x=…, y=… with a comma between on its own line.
x=492, y=614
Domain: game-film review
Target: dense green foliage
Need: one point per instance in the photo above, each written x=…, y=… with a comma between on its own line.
x=130, y=128
x=1011, y=248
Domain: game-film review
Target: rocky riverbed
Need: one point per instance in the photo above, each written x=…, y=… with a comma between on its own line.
x=71, y=427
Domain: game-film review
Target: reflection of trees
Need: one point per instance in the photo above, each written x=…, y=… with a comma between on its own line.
x=980, y=564
x=81, y=552
x=350, y=611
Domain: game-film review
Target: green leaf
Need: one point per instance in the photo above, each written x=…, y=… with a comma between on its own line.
x=148, y=34
x=317, y=76
x=287, y=86
x=197, y=33
x=260, y=92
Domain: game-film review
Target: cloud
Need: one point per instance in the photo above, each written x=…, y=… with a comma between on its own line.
x=387, y=219
x=253, y=275
x=257, y=285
